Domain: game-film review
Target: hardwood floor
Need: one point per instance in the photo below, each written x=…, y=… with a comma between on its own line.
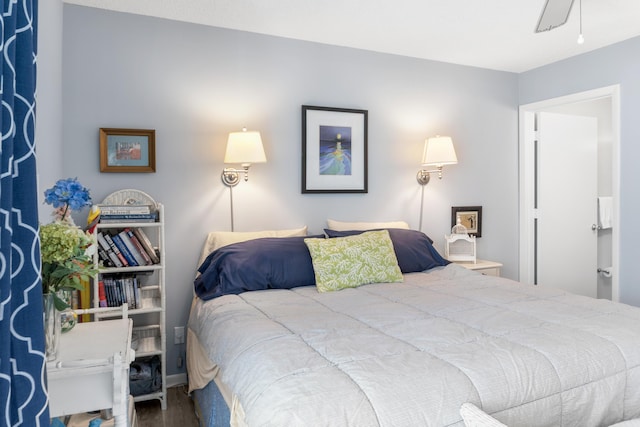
x=179, y=413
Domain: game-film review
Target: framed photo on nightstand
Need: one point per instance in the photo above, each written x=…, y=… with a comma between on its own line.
x=470, y=217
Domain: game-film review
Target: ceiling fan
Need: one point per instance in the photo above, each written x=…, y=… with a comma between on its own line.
x=554, y=14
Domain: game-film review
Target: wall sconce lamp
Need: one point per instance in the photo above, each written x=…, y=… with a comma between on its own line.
x=438, y=151
x=245, y=148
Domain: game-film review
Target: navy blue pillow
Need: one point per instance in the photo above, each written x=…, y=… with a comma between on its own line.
x=266, y=263
x=414, y=249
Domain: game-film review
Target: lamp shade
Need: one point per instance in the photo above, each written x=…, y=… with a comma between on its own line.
x=244, y=147
x=438, y=151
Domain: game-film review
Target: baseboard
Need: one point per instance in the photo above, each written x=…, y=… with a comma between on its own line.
x=176, y=380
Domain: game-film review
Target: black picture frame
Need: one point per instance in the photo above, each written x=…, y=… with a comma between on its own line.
x=471, y=218
x=334, y=150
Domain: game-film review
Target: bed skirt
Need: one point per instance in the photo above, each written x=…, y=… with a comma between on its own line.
x=211, y=408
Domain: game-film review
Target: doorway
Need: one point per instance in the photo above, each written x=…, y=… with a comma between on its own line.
x=604, y=105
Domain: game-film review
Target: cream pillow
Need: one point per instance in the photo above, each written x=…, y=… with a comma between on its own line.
x=348, y=262
x=345, y=226
x=218, y=239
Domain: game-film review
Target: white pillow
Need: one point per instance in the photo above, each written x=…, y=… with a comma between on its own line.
x=344, y=226
x=475, y=417
x=218, y=239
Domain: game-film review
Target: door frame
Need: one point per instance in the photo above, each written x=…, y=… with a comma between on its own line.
x=527, y=176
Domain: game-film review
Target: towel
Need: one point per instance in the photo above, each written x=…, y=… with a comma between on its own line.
x=605, y=206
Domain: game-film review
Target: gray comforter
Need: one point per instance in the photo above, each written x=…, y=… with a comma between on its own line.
x=409, y=354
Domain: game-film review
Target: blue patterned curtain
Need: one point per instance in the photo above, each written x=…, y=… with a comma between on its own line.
x=23, y=396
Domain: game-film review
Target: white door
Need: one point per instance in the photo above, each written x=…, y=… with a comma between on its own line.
x=567, y=185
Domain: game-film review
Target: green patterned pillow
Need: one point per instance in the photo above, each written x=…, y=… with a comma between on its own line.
x=348, y=262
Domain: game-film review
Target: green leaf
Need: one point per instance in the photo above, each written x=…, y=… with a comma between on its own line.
x=60, y=304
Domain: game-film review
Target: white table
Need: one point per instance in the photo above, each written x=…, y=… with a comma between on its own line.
x=92, y=370
x=490, y=268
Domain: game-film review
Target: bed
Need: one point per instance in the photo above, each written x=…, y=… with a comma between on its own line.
x=407, y=350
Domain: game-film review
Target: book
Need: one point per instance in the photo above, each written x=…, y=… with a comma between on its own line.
x=132, y=248
x=106, y=249
x=121, y=221
x=104, y=257
x=136, y=292
x=110, y=219
x=108, y=291
x=126, y=289
x=138, y=245
x=102, y=296
x=116, y=250
x=75, y=299
x=124, y=250
x=146, y=244
x=85, y=300
x=124, y=209
x=117, y=286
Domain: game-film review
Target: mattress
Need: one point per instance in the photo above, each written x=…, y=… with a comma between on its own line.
x=411, y=353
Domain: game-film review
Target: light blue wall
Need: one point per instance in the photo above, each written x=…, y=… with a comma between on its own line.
x=49, y=101
x=617, y=64
x=194, y=84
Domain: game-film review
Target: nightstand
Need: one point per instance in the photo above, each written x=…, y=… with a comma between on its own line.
x=490, y=268
x=92, y=370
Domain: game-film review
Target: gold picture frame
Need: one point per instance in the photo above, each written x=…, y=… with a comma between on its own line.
x=127, y=150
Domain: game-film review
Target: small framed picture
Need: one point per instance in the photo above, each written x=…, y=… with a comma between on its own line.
x=127, y=150
x=470, y=217
x=334, y=150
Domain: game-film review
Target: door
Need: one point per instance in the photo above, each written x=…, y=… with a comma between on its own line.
x=566, y=202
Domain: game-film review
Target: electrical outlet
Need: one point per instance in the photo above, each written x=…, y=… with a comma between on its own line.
x=178, y=335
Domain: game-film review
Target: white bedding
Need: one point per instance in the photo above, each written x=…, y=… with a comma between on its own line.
x=408, y=354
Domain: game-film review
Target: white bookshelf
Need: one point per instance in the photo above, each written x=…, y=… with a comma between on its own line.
x=149, y=331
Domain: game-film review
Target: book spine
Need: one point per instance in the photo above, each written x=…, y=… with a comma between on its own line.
x=116, y=251
x=130, y=298
x=104, y=257
x=132, y=220
x=108, y=291
x=146, y=243
x=125, y=209
x=139, y=247
x=132, y=248
x=115, y=286
x=126, y=217
x=85, y=300
x=103, y=242
x=75, y=299
x=117, y=240
x=104, y=245
x=112, y=293
x=102, y=295
x=136, y=292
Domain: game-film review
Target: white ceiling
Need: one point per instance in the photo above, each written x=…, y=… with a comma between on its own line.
x=494, y=34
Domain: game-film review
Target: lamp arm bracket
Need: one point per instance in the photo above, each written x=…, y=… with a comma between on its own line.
x=231, y=176
x=423, y=175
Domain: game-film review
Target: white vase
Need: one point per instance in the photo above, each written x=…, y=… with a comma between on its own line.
x=52, y=327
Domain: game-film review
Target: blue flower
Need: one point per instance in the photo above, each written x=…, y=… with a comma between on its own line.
x=68, y=193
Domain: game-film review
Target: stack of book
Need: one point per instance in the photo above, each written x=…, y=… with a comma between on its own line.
x=129, y=247
x=110, y=214
x=114, y=290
